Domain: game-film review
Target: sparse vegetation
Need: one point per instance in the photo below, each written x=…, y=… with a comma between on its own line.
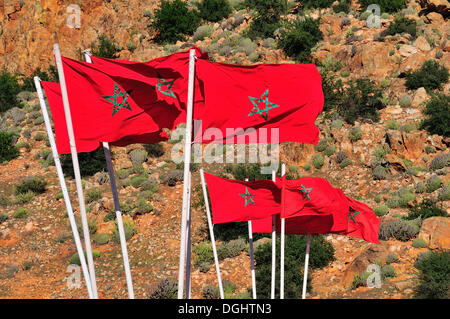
x=431, y=76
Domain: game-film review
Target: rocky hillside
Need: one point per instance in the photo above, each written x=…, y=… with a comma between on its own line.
x=391, y=163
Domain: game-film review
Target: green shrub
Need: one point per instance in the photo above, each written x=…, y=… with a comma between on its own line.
x=75, y=258
x=381, y=210
x=142, y=207
x=105, y=48
x=379, y=172
x=203, y=31
x=231, y=249
x=321, y=145
x=318, y=161
x=321, y=254
x=100, y=239
x=166, y=289
x=402, y=25
x=345, y=163
x=24, y=198
x=430, y=149
x=123, y=173
x=419, y=243
x=316, y=4
x=9, y=88
x=210, y=292
x=388, y=272
x=433, y=183
x=391, y=258
x=440, y=161
x=330, y=150
x=138, y=156
x=154, y=150
x=431, y=76
x=129, y=229
x=355, y=134
x=307, y=167
x=93, y=195
x=214, y=10
x=228, y=288
x=92, y=226
x=342, y=6
x=399, y=229
x=21, y=213
x=434, y=276
x=137, y=181
x=299, y=37
x=243, y=171
x=438, y=116
x=203, y=254
x=3, y=217
x=32, y=183
x=8, y=150
x=419, y=188
x=392, y=125
x=90, y=163
x=425, y=210
x=380, y=153
x=360, y=279
x=267, y=19
x=400, y=198
x=444, y=193
x=337, y=124
x=405, y=100
x=361, y=101
x=173, y=21
x=333, y=91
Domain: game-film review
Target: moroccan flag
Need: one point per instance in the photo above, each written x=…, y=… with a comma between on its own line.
x=362, y=222
x=237, y=201
x=300, y=225
x=172, y=76
x=112, y=104
x=53, y=93
x=313, y=196
x=284, y=96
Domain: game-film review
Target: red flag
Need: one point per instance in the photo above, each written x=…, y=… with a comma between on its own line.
x=284, y=96
x=300, y=225
x=237, y=201
x=116, y=105
x=54, y=97
x=314, y=196
x=362, y=222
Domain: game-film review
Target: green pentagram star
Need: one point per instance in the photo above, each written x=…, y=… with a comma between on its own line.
x=248, y=197
x=264, y=99
x=168, y=84
x=305, y=192
x=352, y=214
x=113, y=99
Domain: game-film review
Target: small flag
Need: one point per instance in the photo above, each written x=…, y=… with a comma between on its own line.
x=236, y=201
x=284, y=96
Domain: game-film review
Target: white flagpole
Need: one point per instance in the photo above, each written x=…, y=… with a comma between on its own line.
x=211, y=233
x=62, y=182
x=252, y=262
x=274, y=244
x=76, y=168
x=188, y=246
x=283, y=230
x=305, y=273
x=187, y=164
x=112, y=181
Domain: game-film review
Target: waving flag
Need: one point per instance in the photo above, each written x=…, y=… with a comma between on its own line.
x=284, y=96
x=236, y=201
x=116, y=105
x=54, y=97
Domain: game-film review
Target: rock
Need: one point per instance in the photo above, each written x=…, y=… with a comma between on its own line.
x=106, y=228
x=435, y=18
x=175, y=176
x=436, y=232
x=406, y=145
x=420, y=96
x=372, y=59
x=396, y=162
x=422, y=44
x=372, y=254
x=402, y=285
x=407, y=50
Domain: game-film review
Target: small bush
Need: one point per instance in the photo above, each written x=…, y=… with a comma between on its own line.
x=154, y=150
x=123, y=173
x=342, y=6
x=431, y=76
x=388, y=272
x=90, y=163
x=419, y=188
x=345, y=163
x=267, y=19
x=210, y=292
x=402, y=25
x=129, y=229
x=100, y=239
x=231, y=249
x=321, y=145
x=435, y=276
x=9, y=88
x=444, y=193
x=203, y=31
x=203, y=254
x=430, y=149
x=330, y=150
x=433, y=183
x=299, y=37
x=142, y=207
x=318, y=161
x=214, y=10
x=93, y=195
x=392, y=125
x=138, y=156
x=34, y=184
x=340, y=157
x=425, y=210
x=440, y=161
x=400, y=198
x=419, y=243
x=105, y=48
x=137, y=181
x=405, y=100
x=173, y=21
x=355, y=134
x=24, y=198
x=21, y=213
x=379, y=172
x=381, y=210
x=438, y=116
x=391, y=258
x=166, y=289
x=75, y=259
x=8, y=150
x=360, y=279
x=400, y=229
x=3, y=217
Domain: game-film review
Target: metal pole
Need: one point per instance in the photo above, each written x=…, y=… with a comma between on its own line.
x=305, y=273
x=274, y=244
x=283, y=231
x=252, y=260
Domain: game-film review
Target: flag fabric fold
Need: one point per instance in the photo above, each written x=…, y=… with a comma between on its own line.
x=287, y=97
x=237, y=201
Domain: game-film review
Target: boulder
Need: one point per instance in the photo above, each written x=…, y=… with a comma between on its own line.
x=407, y=145
x=436, y=232
x=422, y=44
x=407, y=50
x=420, y=96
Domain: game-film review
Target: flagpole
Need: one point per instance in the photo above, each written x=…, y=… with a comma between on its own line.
x=76, y=168
x=112, y=181
x=252, y=263
x=211, y=233
x=62, y=182
x=188, y=246
x=305, y=272
x=274, y=243
x=283, y=231
x=187, y=164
